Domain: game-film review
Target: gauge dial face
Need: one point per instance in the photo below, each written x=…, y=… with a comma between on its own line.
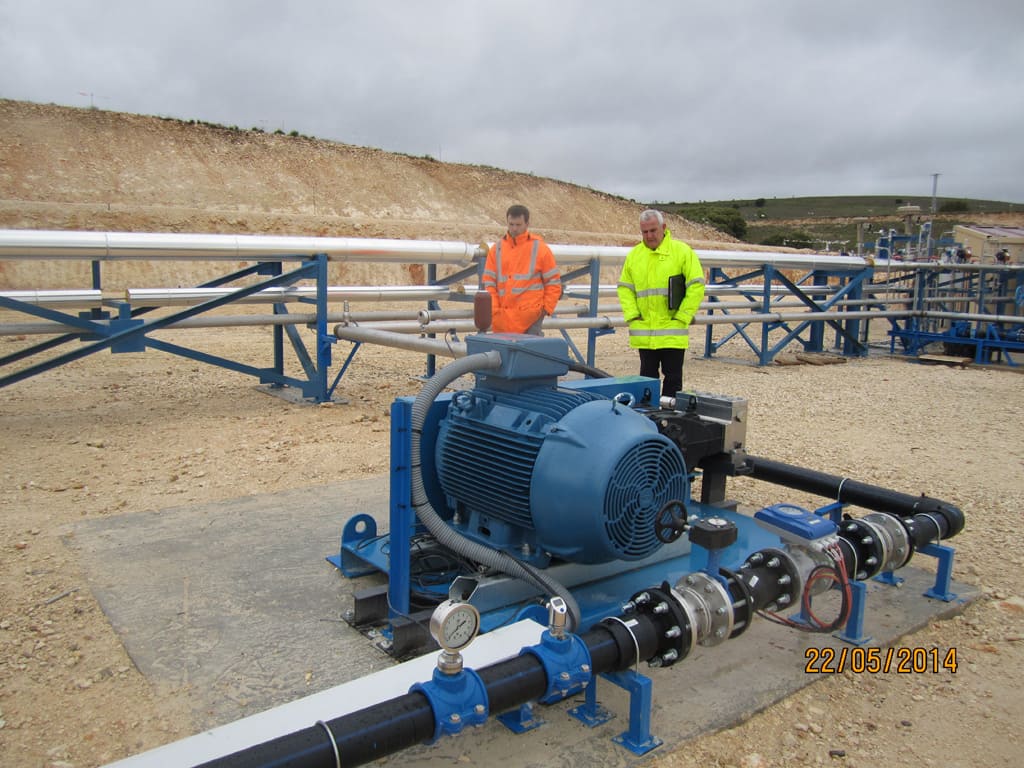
x=454, y=625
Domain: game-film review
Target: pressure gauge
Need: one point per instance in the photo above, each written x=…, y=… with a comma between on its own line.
x=454, y=625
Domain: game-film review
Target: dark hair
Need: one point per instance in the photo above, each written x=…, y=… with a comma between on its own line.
x=515, y=211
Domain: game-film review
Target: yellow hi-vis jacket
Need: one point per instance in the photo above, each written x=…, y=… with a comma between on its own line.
x=643, y=294
x=523, y=280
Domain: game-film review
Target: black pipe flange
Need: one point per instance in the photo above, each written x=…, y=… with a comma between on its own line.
x=675, y=632
x=772, y=578
x=742, y=602
x=867, y=550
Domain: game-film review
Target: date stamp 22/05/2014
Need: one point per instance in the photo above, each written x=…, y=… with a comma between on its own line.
x=902, y=660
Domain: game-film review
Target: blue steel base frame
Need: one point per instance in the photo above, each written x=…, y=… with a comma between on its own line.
x=363, y=551
x=126, y=332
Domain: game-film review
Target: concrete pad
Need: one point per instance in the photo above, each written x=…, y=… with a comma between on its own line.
x=235, y=602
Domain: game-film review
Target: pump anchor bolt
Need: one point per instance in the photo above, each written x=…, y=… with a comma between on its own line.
x=756, y=558
x=783, y=600
x=783, y=580
x=628, y=607
x=871, y=561
x=642, y=598
x=867, y=540
x=669, y=656
x=773, y=563
x=673, y=632
x=661, y=608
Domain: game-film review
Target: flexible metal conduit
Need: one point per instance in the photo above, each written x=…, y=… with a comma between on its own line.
x=444, y=533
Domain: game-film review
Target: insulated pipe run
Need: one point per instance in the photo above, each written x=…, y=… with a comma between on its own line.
x=902, y=505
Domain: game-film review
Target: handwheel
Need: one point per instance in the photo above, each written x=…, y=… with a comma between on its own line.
x=670, y=523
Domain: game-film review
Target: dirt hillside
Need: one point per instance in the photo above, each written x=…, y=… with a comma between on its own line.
x=116, y=436
x=86, y=169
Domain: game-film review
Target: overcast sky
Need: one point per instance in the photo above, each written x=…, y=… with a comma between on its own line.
x=656, y=101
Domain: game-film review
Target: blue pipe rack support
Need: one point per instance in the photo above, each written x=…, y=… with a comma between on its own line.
x=127, y=332
x=810, y=333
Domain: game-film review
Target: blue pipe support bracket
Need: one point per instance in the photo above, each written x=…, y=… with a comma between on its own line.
x=566, y=663
x=457, y=700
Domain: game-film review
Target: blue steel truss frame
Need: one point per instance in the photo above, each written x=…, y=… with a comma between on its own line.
x=808, y=289
x=126, y=331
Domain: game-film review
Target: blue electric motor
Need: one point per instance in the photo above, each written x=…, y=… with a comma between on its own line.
x=546, y=472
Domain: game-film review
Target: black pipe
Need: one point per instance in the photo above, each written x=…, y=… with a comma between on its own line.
x=902, y=505
x=403, y=722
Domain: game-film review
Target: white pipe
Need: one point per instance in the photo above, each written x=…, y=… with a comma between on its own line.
x=59, y=244
x=401, y=340
x=57, y=298
x=187, y=296
x=113, y=246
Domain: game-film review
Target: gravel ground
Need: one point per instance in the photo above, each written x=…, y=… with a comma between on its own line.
x=140, y=432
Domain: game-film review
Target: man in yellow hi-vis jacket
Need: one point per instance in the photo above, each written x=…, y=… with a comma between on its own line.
x=660, y=331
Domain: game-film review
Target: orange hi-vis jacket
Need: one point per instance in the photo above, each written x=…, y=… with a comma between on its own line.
x=523, y=280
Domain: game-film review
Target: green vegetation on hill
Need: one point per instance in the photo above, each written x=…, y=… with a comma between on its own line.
x=829, y=223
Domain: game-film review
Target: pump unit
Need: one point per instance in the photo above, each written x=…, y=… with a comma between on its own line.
x=546, y=472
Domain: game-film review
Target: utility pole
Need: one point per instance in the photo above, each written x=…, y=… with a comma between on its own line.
x=935, y=210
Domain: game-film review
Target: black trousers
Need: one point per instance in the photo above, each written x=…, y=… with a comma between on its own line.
x=671, y=363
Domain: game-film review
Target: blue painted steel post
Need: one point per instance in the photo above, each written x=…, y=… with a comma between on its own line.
x=816, y=337
x=431, y=358
x=323, y=339
x=401, y=513
x=593, y=333
x=763, y=356
x=274, y=269
x=638, y=739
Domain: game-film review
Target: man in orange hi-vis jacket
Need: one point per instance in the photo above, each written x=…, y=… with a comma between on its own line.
x=521, y=275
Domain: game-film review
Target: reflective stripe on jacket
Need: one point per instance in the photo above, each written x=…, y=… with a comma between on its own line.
x=523, y=280
x=643, y=294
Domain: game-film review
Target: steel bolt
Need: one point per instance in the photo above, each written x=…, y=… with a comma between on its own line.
x=661, y=608
x=479, y=709
x=454, y=717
